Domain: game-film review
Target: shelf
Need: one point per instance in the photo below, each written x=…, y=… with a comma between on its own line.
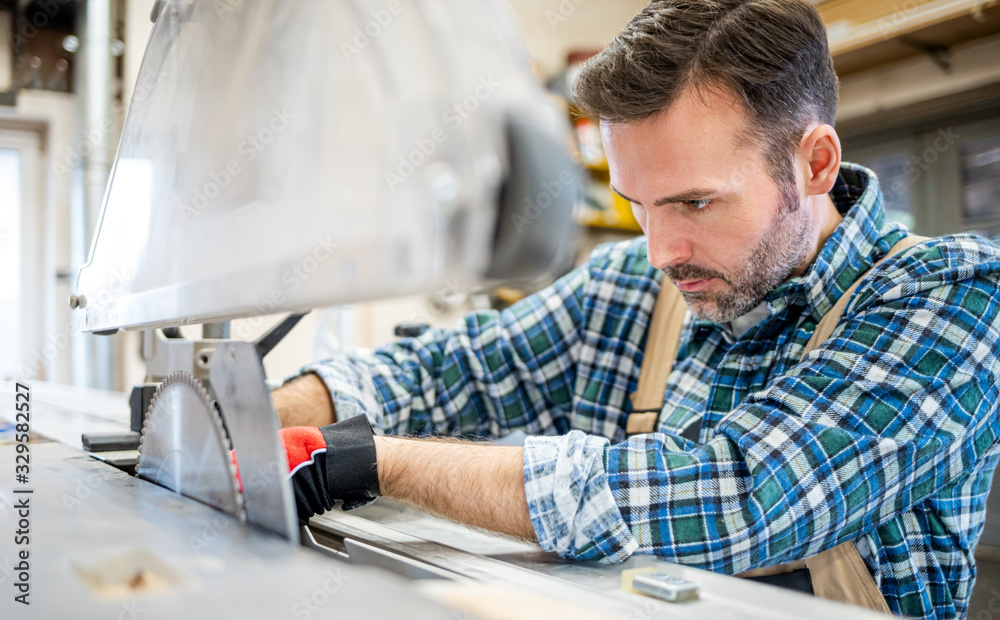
x=866, y=33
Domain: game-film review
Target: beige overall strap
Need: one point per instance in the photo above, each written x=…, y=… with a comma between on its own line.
x=829, y=321
x=838, y=574
x=661, y=349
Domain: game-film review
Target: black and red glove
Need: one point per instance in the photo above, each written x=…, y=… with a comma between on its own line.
x=330, y=463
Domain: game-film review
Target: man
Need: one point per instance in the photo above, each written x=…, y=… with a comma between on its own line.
x=717, y=120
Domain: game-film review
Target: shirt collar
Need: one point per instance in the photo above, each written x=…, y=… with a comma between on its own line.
x=861, y=238
x=734, y=329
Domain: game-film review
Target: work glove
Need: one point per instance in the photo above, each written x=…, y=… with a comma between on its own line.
x=330, y=463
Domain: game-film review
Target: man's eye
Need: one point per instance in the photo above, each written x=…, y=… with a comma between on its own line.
x=699, y=205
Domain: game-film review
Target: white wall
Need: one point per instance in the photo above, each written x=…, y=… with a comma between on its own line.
x=553, y=27
x=137, y=29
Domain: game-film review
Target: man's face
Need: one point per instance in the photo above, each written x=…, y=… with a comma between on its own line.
x=717, y=224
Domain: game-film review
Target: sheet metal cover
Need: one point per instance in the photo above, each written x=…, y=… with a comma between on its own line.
x=243, y=129
x=185, y=447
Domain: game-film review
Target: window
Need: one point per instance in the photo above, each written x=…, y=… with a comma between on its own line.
x=938, y=177
x=10, y=262
x=891, y=171
x=981, y=185
x=23, y=308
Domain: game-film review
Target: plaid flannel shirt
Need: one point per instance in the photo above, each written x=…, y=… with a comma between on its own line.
x=886, y=434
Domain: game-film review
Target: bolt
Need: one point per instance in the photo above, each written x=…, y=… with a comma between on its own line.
x=203, y=358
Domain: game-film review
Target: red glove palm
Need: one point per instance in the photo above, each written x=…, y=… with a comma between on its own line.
x=334, y=462
x=301, y=443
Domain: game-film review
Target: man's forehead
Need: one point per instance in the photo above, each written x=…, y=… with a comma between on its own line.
x=708, y=113
x=699, y=141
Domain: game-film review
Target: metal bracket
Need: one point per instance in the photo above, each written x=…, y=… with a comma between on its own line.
x=170, y=351
x=940, y=54
x=268, y=341
x=237, y=379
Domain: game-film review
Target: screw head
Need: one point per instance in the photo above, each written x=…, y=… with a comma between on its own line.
x=204, y=358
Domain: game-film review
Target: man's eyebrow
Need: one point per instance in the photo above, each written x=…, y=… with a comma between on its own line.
x=691, y=194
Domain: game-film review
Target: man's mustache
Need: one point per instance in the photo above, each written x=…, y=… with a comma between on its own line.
x=683, y=273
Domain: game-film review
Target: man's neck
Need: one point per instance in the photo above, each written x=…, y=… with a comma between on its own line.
x=830, y=218
x=826, y=218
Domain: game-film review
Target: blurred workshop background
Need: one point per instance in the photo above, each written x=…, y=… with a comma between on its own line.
x=920, y=105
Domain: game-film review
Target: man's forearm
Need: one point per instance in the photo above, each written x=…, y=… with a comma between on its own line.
x=304, y=401
x=479, y=485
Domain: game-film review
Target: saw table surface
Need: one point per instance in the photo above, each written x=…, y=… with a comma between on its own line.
x=106, y=544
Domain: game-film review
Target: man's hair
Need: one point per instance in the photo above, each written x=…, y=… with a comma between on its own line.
x=772, y=55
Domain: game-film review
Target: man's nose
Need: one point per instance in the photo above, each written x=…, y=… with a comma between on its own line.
x=668, y=245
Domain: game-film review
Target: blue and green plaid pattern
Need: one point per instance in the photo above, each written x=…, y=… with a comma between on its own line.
x=886, y=434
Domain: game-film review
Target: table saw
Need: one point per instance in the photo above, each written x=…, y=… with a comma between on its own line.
x=105, y=544
x=281, y=157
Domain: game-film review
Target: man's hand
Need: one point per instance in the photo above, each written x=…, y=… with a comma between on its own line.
x=304, y=401
x=335, y=462
x=473, y=483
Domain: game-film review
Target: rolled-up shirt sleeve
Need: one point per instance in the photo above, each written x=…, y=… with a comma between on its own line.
x=352, y=390
x=569, y=501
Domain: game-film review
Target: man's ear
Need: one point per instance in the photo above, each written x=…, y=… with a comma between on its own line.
x=819, y=158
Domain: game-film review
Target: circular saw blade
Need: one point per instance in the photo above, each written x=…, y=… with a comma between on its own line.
x=184, y=446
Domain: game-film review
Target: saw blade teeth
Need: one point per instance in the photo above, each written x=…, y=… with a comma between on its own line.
x=173, y=377
x=215, y=419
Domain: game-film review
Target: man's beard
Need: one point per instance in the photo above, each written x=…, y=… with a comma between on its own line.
x=767, y=266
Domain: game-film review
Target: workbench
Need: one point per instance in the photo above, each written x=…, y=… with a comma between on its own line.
x=106, y=544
